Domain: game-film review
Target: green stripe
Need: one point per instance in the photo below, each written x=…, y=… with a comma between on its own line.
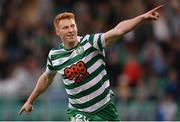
x=101, y=108
x=60, y=55
x=99, y=43
x=90, y=77
x=50, y=61
x=94, y=59
x=91, y=38
x=82, y=40
x=93, y=101
x=75, y=59
x=50, y=67
x=90, y=90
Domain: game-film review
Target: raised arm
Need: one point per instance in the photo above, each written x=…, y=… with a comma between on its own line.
x=128, y=25
x=43, y=82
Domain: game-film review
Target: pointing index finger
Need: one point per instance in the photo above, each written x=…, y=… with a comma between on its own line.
x=21, y=111
x=157, y=8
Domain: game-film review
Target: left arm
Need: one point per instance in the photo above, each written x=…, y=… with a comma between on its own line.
x=128, y=25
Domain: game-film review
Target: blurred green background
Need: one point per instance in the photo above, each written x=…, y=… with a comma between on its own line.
x=143, y=66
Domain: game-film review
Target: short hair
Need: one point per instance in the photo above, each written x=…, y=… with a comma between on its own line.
x=61, y=16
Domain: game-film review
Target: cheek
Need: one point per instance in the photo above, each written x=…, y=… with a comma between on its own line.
x=62, y=33
x=76, y=29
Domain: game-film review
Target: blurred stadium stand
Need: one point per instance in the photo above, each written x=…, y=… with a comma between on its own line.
x=144, y=66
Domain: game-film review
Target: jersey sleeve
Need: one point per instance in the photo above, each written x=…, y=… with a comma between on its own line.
x=49, y=65
x=97, y=41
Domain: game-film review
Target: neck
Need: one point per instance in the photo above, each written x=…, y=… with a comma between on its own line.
x=70, y=45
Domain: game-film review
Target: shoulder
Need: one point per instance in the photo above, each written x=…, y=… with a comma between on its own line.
x=57, y=49
x=85, y=38
x=90, y=36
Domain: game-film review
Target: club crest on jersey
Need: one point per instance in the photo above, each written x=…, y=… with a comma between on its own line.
x=80, y=50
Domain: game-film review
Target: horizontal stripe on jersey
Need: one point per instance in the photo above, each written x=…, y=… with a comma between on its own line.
x=93, y=75
x=90, y=90
x=92, y=95
x=75, y=59
x=93, y=101
x=87, y=85
x=86, y=93
x=96, y=106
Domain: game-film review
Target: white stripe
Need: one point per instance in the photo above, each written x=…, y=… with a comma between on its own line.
x=68, y=82
x=48, y=62
x=95, y=66
x=103, y=41
x=95, y=106
x=60, y=61
x=95, y=43
x=79, y=38
x=49, y=71
x=90, y=56
x=90, y=96
x=86, y=38
x=58, y=51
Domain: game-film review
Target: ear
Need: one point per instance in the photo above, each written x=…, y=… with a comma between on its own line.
x=57, y=31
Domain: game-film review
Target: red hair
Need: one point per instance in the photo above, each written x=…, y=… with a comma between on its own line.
x=64, y=15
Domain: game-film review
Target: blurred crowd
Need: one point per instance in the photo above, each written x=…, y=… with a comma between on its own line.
x=143, y=66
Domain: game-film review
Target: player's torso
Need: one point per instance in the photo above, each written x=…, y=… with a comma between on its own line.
x=84, y=75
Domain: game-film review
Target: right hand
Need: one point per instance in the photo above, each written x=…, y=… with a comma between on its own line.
x=152, y=14
x=27, y=107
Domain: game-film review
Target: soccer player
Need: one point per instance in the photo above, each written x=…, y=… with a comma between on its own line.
x=80, y=61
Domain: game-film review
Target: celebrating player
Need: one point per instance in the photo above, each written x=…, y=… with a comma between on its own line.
x=80, y=61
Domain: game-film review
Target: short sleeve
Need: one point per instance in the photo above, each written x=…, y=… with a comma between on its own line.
x=49, y=65
x=97, y=41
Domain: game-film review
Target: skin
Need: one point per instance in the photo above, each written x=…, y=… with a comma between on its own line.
x=67, y=31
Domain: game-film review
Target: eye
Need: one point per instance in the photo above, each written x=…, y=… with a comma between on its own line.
x=72, y=25
x=65, y=27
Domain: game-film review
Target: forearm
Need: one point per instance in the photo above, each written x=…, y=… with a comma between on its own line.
x=128, y=25
x=122, y=28
x=42, y=84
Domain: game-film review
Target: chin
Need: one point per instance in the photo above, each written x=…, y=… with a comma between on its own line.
x=72, y=40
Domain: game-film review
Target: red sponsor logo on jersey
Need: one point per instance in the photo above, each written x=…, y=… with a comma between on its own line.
x=76, y=72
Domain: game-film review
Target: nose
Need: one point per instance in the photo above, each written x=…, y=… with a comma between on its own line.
x=71, y=29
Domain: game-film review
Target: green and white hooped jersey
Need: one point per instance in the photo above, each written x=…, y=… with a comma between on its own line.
x=83, y=72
